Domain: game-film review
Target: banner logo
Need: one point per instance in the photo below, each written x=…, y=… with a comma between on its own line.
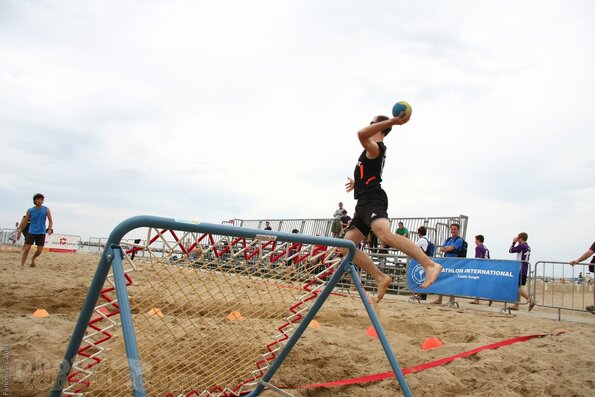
x=418, y=274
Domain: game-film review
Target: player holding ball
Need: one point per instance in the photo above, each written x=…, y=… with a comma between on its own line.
x=372, y=201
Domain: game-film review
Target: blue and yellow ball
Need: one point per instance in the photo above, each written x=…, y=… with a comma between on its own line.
x=402, y=106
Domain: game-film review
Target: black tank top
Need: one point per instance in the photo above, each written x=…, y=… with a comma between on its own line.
x=368, y=173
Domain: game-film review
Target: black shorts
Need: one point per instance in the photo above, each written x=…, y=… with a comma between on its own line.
x=522, y=279
x=38, y=239
x=371, y=206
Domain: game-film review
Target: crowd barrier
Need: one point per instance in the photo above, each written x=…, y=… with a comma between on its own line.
x=553, y=285
x=561, y=286
x=5, y=237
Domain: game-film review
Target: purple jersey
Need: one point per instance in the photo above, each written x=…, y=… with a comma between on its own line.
x=523, y=252
x=481, y=251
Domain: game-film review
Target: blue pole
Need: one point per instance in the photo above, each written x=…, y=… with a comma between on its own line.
x=383, y=341
x=81, y=325
x=134, y=364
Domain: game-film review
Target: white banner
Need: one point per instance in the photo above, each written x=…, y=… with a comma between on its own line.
x=62, y=243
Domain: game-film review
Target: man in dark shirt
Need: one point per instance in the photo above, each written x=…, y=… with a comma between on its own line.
x=588, y=253
x=372, y=204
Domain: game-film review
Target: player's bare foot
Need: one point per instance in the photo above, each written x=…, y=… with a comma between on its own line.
x=432, y=273
x=437, y=302
x=33, y=264
x=383, y=287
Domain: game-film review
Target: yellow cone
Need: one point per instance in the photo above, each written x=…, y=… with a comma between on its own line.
x=314, y=324
x=235, y=316
x=41, y=313
x=155, y=312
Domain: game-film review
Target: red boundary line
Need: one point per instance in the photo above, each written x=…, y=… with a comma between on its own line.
x=421, y=367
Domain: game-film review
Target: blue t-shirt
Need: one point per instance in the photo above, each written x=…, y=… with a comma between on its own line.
x=37, y=218
x=457, y=242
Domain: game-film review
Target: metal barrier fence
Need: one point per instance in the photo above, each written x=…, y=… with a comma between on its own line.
x=561, y=286
x=6, y=236
x=438, y=230
x=553, y=285
x=438, y=227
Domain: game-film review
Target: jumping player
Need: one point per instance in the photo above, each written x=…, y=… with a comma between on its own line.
x=372, y=204
x=36, y=216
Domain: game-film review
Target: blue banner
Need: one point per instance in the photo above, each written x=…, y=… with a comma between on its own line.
x=483, y=278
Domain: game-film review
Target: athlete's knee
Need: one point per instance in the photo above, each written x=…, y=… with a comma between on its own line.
x=383, y=234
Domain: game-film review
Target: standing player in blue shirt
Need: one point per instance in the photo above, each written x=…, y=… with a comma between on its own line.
x=36, y=218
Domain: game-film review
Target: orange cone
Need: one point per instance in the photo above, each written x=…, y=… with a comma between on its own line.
x=431, y=343
x=155, y=312
x=235, y=316
x=372, y=332
x=39, y=313
x=314, y=324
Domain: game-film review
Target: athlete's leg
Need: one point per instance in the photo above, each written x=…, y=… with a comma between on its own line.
x=381, y=227
x=38, y=252
x=26, y=249
x=362, y=260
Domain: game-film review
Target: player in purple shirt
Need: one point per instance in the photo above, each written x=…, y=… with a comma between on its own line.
x=588, y=253
x=523, y=252
x=481, y=252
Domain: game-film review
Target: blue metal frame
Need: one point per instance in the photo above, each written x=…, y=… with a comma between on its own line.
x=134, y=363
x=112, y=256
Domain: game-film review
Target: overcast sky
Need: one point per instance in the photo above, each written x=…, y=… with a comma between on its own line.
x=214, y=110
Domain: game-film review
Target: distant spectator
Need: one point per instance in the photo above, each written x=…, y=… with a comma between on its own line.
x=267, y=226
x=25, y=230
x=402, y=230
x=133, y=254
x=521, y=248
x=451, y=248
x=292, y=248
x=481, y=252
x=423, y=243
x=336, y=225
x=588, y=253
x=345, y=222
x=14, y=235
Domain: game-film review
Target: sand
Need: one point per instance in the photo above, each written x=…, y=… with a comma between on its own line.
x=553, y=365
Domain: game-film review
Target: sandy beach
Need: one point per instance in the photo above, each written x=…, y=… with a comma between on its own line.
x=561, y=363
